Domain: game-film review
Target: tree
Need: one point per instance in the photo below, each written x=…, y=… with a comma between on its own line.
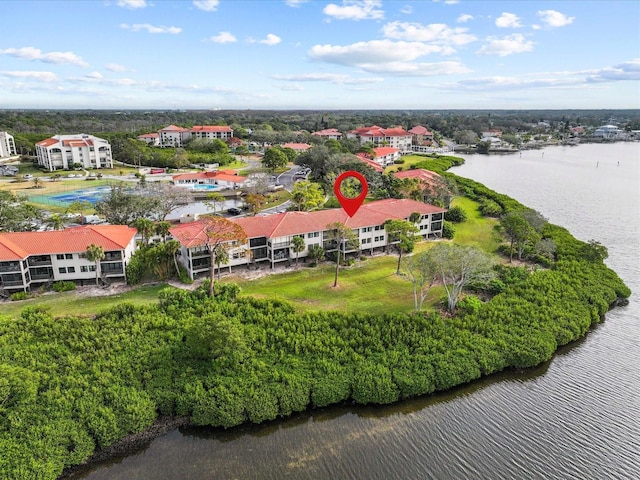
x=214, y=201
x=220, y=233
x=79, y=206
x=401, y=234
x=274, y=158
x=316, y=252
x=145, y=228
x=297, y=245
x=162, y=229
x=517, y=231
x=55, y=221
x=164, y=199
x=16, y=215
x=594, y=251
x=458, y=266
x=95, y=253
x=222, y=257
x=307, y=195
x=290, y=153
x=255, y=201
x=344, y=239
x=422, y=271
x=121, y=207
x=172, y=248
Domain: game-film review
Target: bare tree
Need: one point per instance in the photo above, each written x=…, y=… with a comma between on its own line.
x=344, y=239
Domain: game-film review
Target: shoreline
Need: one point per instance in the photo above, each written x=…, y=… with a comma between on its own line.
x=127, y=445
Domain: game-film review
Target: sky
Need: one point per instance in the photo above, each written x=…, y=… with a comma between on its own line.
x=312, y=54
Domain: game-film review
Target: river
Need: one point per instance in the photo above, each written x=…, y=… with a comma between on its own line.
x=576, y=417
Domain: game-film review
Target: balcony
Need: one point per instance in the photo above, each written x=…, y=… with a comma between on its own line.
x=284, y=244
x=9, y=267
x=41, y=277
x=39, y=261
x=12, y=283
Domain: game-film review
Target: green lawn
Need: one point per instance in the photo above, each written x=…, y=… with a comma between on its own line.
x=368, y=286
x=71, y=303
x=476, y=230
x=408, y=161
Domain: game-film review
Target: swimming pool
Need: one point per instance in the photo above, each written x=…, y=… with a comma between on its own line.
x=205, y=187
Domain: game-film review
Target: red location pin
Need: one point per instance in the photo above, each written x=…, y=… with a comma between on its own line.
x=351, y=205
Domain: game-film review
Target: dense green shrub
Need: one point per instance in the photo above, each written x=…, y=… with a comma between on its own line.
x=455, y=215
x=19, y=296
x=448, y=230
x=63, y=286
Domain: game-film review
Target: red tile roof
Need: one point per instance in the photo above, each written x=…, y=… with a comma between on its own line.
x=372, y=163
x=384, y=151
x=297, y=146
x=173, y=128
x=48, y=142
x=327, y=132
x=148, y=135
x=295, y=223
x=17, y=245
x=376, y=131
x=211, y=128
x=420, y=130
x=426, y=176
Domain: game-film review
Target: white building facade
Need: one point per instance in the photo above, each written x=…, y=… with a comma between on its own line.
x=396, y=137
x=7, y=145
x=61, y=152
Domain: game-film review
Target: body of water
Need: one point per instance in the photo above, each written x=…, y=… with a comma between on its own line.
x=576, y=417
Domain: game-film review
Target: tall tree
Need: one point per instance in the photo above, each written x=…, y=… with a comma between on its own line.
x=402, y=235
x=344, y=239
x=16, y=215
x=220, y=233
x=145, y=228
x=458, y=266
x=423, y=272
x=55, y=221
x=515, y=228
x=307, y=195
x=95, y=253
x=215, y=201
x=164, y=199
x=255, y=202
x=274, y=158
x=297, y=245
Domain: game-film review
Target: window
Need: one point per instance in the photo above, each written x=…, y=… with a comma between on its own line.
x=84, y=269
x=313, y=235
x=62, y=270
x=71, y=270
x=60, y=256
x=366, y=229
x=365, y=240
x=379, y=227
x=68, y=256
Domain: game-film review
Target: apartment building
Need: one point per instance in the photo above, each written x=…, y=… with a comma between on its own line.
x=174, y=136
x=396, y=137
x=270, y=236
x=60, y=152
x=7, y=145
x=29, y=260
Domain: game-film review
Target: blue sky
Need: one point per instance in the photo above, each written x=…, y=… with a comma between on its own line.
x=297, y=54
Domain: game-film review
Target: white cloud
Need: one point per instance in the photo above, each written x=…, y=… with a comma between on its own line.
x=132, y=4
x=206, y=5
x=416, y=69
x=337, y=78
x=553, y=18
x=374, y=51
x=31, y=53
x=291, y=87
x=623, y=71
x=407, y=10
x=94, y=75
x=39, y=76
x=114, y=67
x=137, y=27
x=504, y=46
x=270, y=40
x=295, y=3
x=355, y=10
x=436, y=33
x=508, y=20
x=223, y=37
x=465, y=17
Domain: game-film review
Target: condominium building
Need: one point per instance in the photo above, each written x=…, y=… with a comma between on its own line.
x=29, y=260
x=7, y=145
x=61, y=152
x=174, y=136
x=396, y=137
x=269, y=237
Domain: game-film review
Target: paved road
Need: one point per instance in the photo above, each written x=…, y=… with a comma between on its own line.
x=287, y=179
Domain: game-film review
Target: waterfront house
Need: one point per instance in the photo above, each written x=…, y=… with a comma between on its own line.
x=270, y=236
x=421, y=136
x=225, y=179
x=396, y=137
x=30, y=260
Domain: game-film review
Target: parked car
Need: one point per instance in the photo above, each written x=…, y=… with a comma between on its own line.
x=234, y=211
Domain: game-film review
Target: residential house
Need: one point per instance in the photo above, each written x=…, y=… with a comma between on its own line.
x=421, y=136
x=297, y=147
x=225, y=179
x=269, y=236
x=608, y=132
x=491, y=133
x=328, y=134
x=152, y=139
x=174, y=136
x=30, y=260
x=7, y=145
x=396, y=137
x=60, y=152
x=382, y=156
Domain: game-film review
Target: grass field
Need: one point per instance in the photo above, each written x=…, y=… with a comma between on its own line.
x=476, y=230
x=71, y=303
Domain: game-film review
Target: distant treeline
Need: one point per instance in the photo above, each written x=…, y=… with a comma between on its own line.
x=71, y=385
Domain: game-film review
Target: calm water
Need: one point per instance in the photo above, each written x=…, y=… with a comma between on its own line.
x=577, y=417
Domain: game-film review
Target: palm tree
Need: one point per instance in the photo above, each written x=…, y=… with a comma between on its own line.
x=95, y=253
x=344, y=239
x=145, y=228
x=222, y=257
x=56, y=222
x=297, y=245
x=162, y=229
x=172, y=248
